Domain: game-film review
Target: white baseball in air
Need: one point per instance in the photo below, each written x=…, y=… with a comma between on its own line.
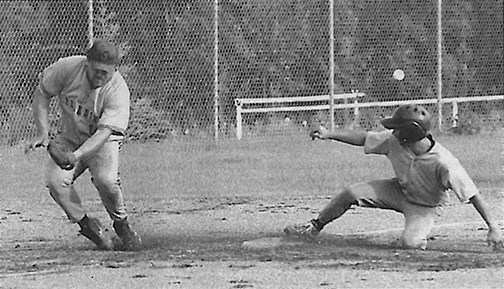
x=398, y=74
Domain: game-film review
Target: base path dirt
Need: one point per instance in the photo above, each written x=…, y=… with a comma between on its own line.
x=205, y=243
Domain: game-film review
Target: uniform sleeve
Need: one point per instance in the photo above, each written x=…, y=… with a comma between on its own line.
x=377, y=142
x=52, y=79
x=116, y=110
x=455, y=177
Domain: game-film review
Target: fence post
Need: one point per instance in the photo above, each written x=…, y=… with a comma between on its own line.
x=439, y=63
x=331, y=64
x=216, y=70
x=356, y=108
x=90, y=23
x=238, y=105
x=454, y=113
x=355, y=114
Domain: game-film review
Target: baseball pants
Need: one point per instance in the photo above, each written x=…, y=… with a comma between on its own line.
x=104, y=169
x=386, y=194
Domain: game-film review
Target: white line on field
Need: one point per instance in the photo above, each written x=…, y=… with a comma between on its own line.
x=31, y=273
x=400, y=229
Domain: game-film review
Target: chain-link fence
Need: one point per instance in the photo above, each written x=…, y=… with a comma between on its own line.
x=187, y=61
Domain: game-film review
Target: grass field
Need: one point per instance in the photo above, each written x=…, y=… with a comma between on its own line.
x=277, y=166
x=280, y=166
x=194, y=203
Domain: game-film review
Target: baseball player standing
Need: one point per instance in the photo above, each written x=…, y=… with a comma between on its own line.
x=424, y=170
x=94, y=102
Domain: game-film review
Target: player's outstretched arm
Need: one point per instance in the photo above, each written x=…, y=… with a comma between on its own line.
x=494, y=237
x=347, y=136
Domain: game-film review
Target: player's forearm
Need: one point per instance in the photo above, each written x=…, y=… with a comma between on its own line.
x=481, y=206
x=40, y=108
x=350, y=137
x=93, y=144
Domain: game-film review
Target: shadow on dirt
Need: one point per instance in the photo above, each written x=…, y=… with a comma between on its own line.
x=327, y=251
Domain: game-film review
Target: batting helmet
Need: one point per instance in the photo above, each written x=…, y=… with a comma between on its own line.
x=413, y=122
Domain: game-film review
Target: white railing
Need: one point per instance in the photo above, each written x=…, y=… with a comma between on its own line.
x=240, y=104
x=354, y=104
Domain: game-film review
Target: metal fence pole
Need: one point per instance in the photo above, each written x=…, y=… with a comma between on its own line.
x=331, y=63
x=90, y=23
x=440, y=64
x=216, y=70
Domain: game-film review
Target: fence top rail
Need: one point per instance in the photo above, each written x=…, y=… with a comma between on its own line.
x=375, y=104
x=241, y=101
x=422, y=101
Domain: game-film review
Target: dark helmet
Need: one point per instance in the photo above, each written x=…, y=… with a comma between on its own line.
x=413, y=122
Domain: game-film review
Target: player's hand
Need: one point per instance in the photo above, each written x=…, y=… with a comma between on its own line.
x=494, y=239
x=320, y=132
x=64, y=158
x=37, y=142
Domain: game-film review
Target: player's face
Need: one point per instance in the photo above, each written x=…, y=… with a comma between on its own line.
x=99, y=74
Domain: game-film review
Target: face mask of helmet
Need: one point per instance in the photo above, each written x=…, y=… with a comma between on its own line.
x=411, y=132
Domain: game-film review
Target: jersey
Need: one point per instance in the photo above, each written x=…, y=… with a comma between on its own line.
x=427, y=178
x=83, y=109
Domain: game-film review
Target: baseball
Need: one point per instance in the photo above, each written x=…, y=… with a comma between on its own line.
x=398, y=74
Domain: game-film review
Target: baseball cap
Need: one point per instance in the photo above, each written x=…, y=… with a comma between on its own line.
x=104, y=51
x=406, y=114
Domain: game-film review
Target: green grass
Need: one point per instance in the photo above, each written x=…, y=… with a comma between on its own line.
x=275, y=167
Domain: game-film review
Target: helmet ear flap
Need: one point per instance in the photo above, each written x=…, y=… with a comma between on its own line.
x=411, y=132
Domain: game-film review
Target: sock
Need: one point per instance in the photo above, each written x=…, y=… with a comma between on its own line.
x=122, y=222
x=317, y=224
x=84, y=222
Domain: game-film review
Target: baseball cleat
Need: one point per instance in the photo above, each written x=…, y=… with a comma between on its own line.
x=302, y=230
x=130, y=239
x=92, y=230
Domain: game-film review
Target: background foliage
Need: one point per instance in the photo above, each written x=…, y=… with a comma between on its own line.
x=266, y=49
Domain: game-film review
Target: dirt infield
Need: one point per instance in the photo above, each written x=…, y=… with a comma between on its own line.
x=197, y=243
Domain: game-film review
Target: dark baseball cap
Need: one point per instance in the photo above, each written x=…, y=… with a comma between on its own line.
x=104, y=51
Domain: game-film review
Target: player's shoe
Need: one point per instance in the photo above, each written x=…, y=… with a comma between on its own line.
x=130, y=240
x=306, y=230
x=92, y=230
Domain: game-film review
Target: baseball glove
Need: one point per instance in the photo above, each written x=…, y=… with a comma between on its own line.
x=63, y=158
x=318, y=132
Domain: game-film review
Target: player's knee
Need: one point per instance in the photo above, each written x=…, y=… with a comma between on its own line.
x=106, y=183
x=413, y=242
x=349, y=195
x=57, y=182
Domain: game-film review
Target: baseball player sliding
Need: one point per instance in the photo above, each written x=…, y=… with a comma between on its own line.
x=424, y=170
x=94, y=101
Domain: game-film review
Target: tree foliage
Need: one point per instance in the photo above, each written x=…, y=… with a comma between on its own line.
x=266, y=49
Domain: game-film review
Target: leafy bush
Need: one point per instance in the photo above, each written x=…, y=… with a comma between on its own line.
x=147, y=123
x=470, y=124
x=15, y=125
